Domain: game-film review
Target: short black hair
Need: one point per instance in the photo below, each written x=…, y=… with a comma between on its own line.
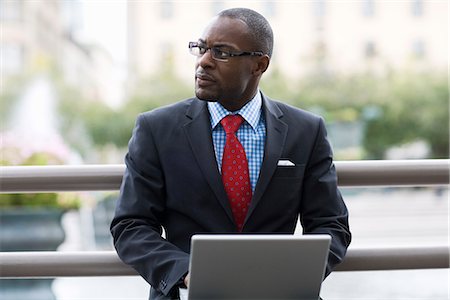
x=258, y=25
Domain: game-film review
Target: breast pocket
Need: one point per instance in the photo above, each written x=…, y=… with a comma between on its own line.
x=289, y=171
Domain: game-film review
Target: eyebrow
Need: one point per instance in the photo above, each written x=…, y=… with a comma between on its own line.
x=202, y=41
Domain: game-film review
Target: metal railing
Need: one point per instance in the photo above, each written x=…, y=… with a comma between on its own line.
x=107, y=263
x=108, y=177
x=23, y=179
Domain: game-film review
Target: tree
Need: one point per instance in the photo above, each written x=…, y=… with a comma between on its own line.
x=416, y=107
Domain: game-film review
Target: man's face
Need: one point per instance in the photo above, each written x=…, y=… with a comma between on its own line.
x=231, y=83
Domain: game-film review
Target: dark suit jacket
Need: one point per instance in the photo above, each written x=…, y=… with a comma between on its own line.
x=172, y=181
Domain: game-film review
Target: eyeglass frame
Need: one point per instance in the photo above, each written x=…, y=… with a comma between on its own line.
x=214, y=51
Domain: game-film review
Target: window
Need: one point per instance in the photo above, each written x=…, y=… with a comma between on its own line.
x=418, y=49
x=217, y=6
x=368, y=8
x=167, y=9
x=320, y=51
x=417, y=8
x=12, y=57
x=270, y=9
x=319, y=8
x=11, y=11
x=167, y=53
x=370, y=50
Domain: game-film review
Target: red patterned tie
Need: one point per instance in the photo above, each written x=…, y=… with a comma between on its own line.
x=235, y=175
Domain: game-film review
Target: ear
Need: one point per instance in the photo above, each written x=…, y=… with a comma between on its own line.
x=261, y=65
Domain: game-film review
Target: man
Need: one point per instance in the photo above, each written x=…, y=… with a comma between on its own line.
x=188, y=171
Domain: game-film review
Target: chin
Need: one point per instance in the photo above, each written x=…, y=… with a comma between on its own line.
x=205, y=97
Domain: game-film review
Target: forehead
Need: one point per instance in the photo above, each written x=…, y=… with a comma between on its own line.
x=227, y=31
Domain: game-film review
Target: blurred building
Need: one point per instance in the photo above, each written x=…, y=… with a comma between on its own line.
x=31, y=34
x=41, y=35
x=310, y=36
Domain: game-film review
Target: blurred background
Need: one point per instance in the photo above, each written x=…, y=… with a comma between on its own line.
x=75, y=74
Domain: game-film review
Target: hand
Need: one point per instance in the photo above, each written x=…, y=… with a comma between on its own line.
x=186, y=280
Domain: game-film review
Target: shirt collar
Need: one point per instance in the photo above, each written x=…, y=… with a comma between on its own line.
x=251, y=112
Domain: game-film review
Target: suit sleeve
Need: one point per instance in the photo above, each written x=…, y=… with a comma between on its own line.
x=323, y=210
x=136, y=226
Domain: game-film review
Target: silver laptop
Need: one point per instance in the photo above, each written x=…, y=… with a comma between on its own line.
x=257, y=266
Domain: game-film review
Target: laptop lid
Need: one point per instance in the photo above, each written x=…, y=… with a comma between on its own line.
x=257, y=266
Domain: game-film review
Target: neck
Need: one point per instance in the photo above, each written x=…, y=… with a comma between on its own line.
x=234, y=106
x=238, y=104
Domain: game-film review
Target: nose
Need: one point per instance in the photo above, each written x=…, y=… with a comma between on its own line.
x=206, y=60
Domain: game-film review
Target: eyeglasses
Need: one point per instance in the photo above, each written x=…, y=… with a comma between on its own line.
x=218, y=54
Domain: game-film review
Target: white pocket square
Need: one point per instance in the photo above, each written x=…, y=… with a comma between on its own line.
x=285, y=163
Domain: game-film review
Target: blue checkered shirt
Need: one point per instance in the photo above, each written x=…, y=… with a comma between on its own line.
x=251, y=134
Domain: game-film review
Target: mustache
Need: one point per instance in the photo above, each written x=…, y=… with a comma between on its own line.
x=204, y=76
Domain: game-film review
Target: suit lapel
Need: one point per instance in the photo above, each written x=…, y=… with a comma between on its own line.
x=198, y=131
x=275, y=139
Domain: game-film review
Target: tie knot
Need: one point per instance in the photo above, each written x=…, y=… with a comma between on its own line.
x=231, y=123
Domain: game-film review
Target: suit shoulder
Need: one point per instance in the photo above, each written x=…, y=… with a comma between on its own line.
x=167, y=112
x=295, y=113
